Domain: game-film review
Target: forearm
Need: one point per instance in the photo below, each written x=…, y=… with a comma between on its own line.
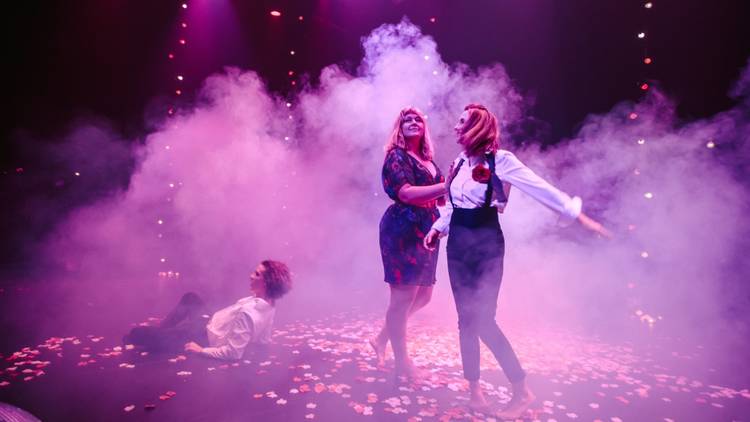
x=225, y=352
x=415, y=195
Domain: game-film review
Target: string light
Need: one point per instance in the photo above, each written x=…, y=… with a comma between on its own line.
x=641, y=141
x=648, y=195
x=275, y=13
x=644, y=87
x=633, y=116
x=641, y=35
x=710, y=144
x=644, y=254
x=647, y=60
x=184, y=5
x=433, y=19
x=648, y=5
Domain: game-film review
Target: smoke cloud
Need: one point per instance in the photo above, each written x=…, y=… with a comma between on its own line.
x=246, y=175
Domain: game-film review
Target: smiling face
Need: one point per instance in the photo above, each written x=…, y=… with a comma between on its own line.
x=459, y=128
x=258, y=281
x=412, y=126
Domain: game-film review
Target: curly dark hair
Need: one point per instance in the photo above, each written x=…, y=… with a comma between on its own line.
x=277, y=277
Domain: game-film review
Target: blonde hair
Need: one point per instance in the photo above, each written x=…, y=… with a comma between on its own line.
x=480, y=133
x=397, y=140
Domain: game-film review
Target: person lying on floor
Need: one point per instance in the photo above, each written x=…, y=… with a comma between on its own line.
x=230, y=330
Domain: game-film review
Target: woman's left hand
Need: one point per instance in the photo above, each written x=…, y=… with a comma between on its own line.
x=430, y=241
x=193, y=347
x=594, y=226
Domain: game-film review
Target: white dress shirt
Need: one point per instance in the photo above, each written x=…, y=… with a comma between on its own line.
x=231, y=329
x=468, y=193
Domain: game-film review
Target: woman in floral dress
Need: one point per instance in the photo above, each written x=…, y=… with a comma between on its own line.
x=415, y=184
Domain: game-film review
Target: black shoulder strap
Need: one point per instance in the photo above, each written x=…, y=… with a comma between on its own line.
x=490, y=157
x=453, y=174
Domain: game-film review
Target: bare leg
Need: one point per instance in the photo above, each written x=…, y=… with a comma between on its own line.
x=395, y=320
x=380, y=343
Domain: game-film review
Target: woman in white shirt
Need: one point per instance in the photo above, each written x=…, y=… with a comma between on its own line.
x=229, y=331
x=478, y=185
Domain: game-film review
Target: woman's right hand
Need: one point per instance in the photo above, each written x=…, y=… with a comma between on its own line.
x=594, y=226
x=430, y=241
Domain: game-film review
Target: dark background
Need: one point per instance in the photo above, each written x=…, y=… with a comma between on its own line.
x=106, y=61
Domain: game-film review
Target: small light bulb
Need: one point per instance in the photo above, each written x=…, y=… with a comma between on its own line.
x=648, y=5
x=710, y=144
x=648, y=195
x=275, y=13
x=641, y=141
x=641, y=35
x=644, y=254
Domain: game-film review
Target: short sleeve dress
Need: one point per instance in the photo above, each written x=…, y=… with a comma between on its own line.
x=403, y=226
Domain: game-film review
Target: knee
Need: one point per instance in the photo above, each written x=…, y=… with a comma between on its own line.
x=191, y=299
x=467, y=323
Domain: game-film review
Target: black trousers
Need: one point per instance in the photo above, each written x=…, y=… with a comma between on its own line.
x=475, y=249
x=183, y=324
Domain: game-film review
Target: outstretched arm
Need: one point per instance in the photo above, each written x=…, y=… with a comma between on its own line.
x=415, y=195
x=593, y=225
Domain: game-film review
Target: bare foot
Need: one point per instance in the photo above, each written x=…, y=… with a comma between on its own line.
x=411, y=372
x=379, y=351
x=477, y=402
x=517, y=405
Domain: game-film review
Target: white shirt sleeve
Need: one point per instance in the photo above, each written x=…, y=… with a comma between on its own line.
x=442, y=224
x=237, y=339
x=510, y=169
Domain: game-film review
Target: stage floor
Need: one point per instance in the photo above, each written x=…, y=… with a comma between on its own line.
x=322, y=369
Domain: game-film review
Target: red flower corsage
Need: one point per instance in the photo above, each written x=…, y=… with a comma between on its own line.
x=481, y=174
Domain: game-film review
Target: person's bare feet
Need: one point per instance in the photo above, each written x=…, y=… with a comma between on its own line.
x=522, y=398
x=379, y=350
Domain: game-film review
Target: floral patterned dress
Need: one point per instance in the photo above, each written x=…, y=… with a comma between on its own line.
x=403, y=226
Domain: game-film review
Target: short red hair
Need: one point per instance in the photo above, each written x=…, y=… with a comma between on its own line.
x=480, y=133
